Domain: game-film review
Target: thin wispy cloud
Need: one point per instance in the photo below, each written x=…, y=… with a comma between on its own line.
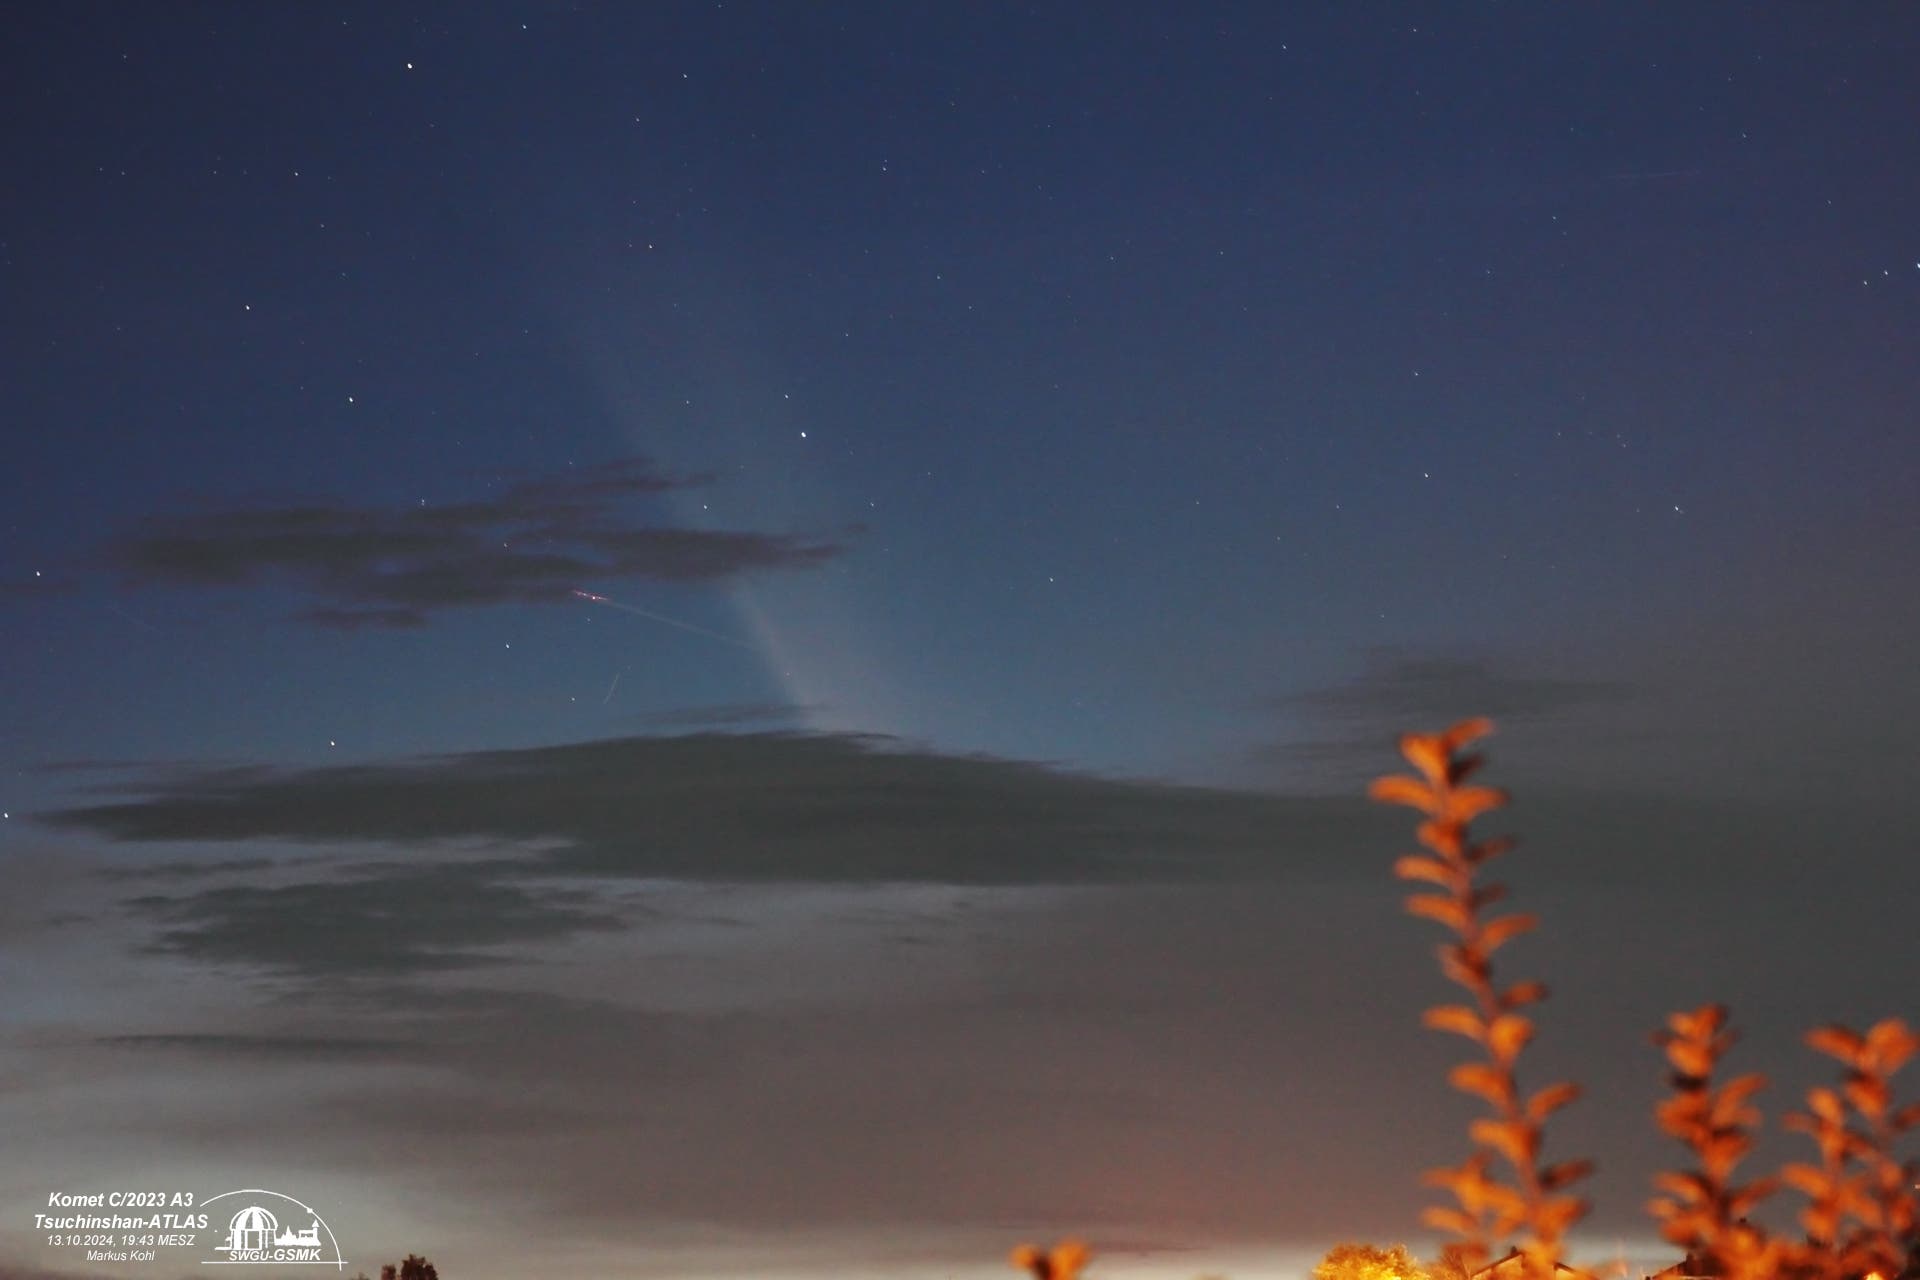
x=296, y=1048
x=1411, y=688
x=382, y=921
x=537, y=542
x=727, y=715
x=1346, y=730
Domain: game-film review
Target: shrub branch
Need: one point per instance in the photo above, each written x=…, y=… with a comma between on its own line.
x=1529, y=1203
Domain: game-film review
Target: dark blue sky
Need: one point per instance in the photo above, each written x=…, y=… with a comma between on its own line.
x=1142, y=392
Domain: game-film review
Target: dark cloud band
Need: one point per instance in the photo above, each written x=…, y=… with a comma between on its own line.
x=534, y=543
x=828, y=808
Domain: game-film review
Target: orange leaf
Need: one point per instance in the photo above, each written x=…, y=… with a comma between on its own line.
x=1425, y=753
x=1868, y=1094
x=1836, y=1042
x=1464, y=965
x=1062, y=1262
x=1459, y=735
x=1682, y=1113
x=1809, y=1180
x=1507, y=1035
x=1567, y=1172
x=1742, y=1200
x=1487, y=850
x=1450, y=1220
x=1698, y=1024
x=1730, y=1107
x=1486, y=895
x=1444, y=837
x=1468, y=1183
x=1438, y=907
x=1689, y=1059
x=1419, y=867
x=1825, y=1103
x=1509, y=1207
x=1397, y=788
x=1854, y=1199
x=1068, y=1257
x=1688, y=1188
x=1514, y=1141
x=1521, y=994
x=1494, y=933
x=1484, y=1081
x=1720, y=1152
x=1551, y=1220
x=1550, y=1099
x=1890, y=1044
x=1456, y=1018
x=1468, y=803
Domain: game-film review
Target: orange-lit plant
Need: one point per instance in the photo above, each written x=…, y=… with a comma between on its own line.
x=1862, y=1217
x=1064, y=1261
x=1702, y=1210
x=1530, y=1206
x=1861, y=1214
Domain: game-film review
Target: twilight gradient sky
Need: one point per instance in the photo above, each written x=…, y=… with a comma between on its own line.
x=719, y=639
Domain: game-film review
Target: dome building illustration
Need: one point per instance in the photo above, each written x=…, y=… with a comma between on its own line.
x=251, y=1228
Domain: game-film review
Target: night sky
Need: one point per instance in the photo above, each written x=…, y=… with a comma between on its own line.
x=744, y=639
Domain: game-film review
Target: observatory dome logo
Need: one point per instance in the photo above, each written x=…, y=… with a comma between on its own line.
x=269, y=1227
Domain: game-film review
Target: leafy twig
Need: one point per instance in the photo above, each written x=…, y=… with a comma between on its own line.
x=1531, y=1205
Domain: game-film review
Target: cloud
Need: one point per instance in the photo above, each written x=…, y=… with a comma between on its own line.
x=380, y=921
x=1348, y=729
x=536, y=542
x=300, y=1048
x=1413, y=689
x=189, y=868
x=750, y=806
x=90, y=765
x=760, y=1061
x=46, y=889
x=572, y=833
x=727, y=715
x=1141, y=1029
x=1190, y=1047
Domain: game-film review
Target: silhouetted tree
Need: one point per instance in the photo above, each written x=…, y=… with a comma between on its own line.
x=412, y=1267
